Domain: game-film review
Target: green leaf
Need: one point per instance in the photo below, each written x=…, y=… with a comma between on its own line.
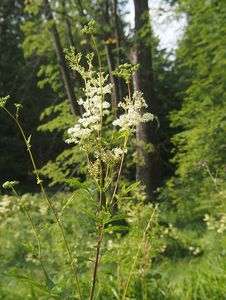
x=104, y=216
x=116, y=218
x=90, y=214
x=118, y=135
x=116, y=228
x=120, y=197
x=68, y=202
x=130, y=188
x=76, y=183
x=40, y=286
x=65, y=295
x=49, y=283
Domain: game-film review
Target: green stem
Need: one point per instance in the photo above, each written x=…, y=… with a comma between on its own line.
x=119, y=172
x=122, y=158
x=39, y=181
x=138, y=252
x=101, y=120
x=36, y=233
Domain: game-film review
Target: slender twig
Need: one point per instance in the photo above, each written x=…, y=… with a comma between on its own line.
x=39, y=181
x=138, y=252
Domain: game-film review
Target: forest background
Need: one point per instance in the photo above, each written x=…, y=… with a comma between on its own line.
x=180, y=157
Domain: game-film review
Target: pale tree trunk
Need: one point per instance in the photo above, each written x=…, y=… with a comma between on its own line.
x=148, y=164
x=118, y=44
x=61, y=59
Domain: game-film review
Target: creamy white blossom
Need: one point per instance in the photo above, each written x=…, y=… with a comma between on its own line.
x=4, y=204
x=216, y=223
x=133, y=114
x=95, y=107
x=77, y=133
x=118, y=152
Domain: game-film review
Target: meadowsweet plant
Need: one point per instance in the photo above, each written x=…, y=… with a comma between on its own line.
x=105, y=153
x=105, y=156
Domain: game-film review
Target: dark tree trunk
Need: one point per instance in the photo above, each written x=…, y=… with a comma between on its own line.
x=115, y=94
x=61, y=59
x=76, y=76
x=117, y=31
x=110, y=60
x=148, y=165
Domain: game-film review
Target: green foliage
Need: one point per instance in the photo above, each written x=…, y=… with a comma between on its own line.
x=20, y=267
x=200, y=145
x=17, y=78
x=193, y=261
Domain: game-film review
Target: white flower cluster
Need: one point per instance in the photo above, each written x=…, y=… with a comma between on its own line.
x=118, y=152
x=213, y=223
x=4, y=204
x=133, y=115
x=195, y=250
x=95, y=107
